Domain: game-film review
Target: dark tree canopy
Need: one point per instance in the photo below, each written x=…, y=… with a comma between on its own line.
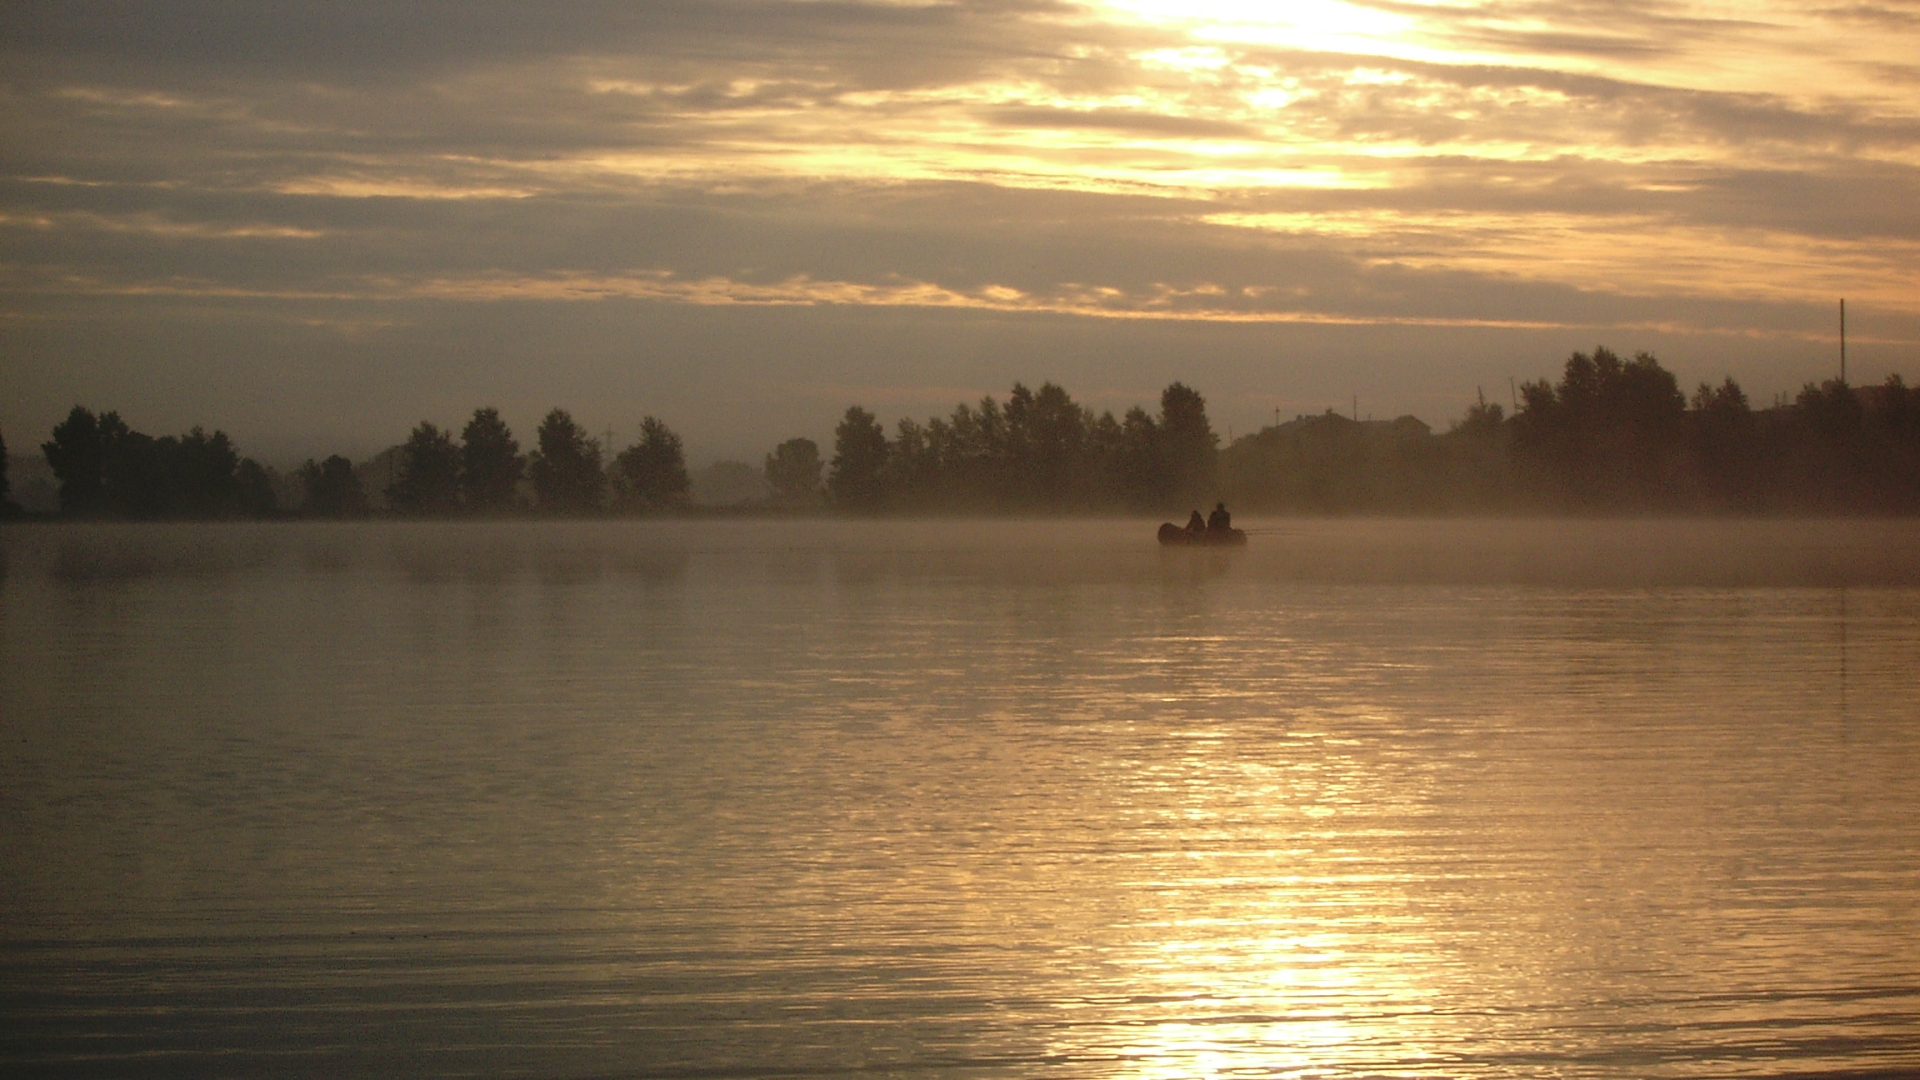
x=333, y=490
x=7, y=506
x=567, y=475
x=1047, y=437
x=1611, y=432
x=429, y=480
x=490, y=464
x=78, y=455
x=1039, y=452
x=1610, y=435
x=653, y=471
x=859, y=455
x=253, y=486
x=793, y=471
x=107, y=469
x=1188, y=450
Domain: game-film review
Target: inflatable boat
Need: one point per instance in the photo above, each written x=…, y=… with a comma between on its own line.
x=1174, y=536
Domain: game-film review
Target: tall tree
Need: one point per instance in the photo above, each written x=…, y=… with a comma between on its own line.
x=490, y=463
x=202, y=469
x=108, y=469
x=567, y=476
x=253, y=489
x=429, y=480
x=1610, y=434
x=793, y=471
x=7, y=507
x=1188, y=448
x=138, y=482
x=77, y=454
x=1056, y=448
x=1143, y=482
x=653, y=471
x=332, y=488
x=859, y=455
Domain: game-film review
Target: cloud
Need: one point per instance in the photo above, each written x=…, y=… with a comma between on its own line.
x=358, y=170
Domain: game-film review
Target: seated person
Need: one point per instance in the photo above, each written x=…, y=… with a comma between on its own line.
x=1219, y=521
x=1195, y=524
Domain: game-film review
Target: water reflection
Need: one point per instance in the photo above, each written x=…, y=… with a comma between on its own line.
x=1390, y=799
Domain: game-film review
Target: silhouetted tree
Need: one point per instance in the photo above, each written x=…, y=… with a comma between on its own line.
x=137, y=481
x=1610, y=434
x=77, y=454
x=490, y=463
x=1472, y=465
x=1188, y=448
x=1106, y=446
x=970, y=452
x=429, y=480
x=253, y=489
x=729, y=483
x=859, y=454
x=1334, y=464
x=203, y=471
x=8, y=508
x=332, y=489
x=1046, y=447
x=1481, y=419
x=911, y=476
x=1142, y=478
x=107, y=469
x=793, y=471
x=1829, y=459
x=1722, y=433
x=567, y=475
x=653, y=471
x=1896, y=421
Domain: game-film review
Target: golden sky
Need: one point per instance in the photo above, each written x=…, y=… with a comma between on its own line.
x=325, y=222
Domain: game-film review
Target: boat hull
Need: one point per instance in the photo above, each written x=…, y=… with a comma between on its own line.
x=1173, y=535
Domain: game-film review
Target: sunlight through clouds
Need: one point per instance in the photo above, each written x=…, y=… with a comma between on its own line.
x=1323, y=25
x=1722, y=169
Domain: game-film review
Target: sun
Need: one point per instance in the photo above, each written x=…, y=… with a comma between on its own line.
x=1319, y=25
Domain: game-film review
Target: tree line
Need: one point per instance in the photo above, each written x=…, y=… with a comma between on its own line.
x=107, y=470
x=1610, y=436
x=1038, y=452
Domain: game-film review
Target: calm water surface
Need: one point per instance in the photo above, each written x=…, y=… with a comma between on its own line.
x=1407, y=799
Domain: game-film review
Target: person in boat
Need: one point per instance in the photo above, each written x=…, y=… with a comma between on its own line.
x=1195, y=524
x=1219, y=522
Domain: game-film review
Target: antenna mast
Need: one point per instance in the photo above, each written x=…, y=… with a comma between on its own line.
x=1843, y=340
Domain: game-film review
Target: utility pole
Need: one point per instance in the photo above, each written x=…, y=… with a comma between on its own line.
x=1843, y=341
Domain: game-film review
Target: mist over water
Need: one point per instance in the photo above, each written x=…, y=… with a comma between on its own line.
x=1532, y=798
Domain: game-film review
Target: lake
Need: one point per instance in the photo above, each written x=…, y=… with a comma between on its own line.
x=982, y=799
